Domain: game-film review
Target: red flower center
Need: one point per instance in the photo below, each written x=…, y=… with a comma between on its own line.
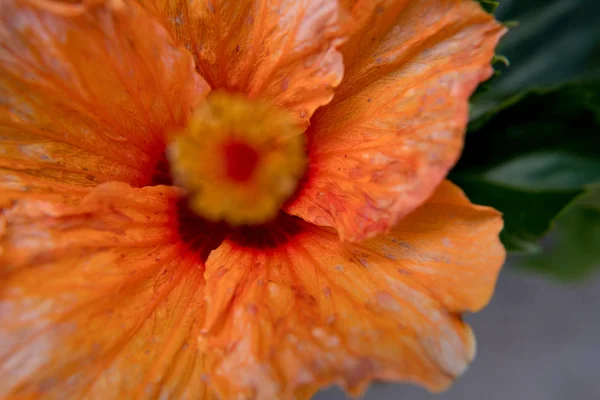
x=240, y=160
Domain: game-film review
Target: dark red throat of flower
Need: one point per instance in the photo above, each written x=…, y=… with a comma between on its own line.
x=240, y=160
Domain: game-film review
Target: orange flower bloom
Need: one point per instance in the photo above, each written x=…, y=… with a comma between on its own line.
x=288, y=230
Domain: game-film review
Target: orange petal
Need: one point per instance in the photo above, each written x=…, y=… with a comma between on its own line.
x=316, y=311
x=88, y=92
x=284, y=51
x=98, y=301
x=396, y=124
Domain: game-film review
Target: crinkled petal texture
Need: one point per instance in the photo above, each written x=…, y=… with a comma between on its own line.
x=316, y=311
x=105, y=295
x=88, y=93
x=396, y=124
x=98, y=301
x=282, y=50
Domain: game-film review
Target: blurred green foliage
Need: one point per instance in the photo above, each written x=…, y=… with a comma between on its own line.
x=572, y=251
x=489, y=5
x=532, y=156
x=533, y=145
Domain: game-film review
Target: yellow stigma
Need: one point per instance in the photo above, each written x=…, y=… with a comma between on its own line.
x=238, y=159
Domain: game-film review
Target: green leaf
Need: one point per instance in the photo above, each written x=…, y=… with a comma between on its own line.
x=546, y=170
x=528, y=215
x=531, y=157
x=533, y=146
x=583, y=94
x=564, y=118
x=555, y=41
x=489, y=5
x=571, y=250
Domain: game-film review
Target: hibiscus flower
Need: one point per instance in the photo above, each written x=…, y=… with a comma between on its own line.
x=238, y=199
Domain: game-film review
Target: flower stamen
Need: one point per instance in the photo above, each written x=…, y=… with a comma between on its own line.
x=238, y=159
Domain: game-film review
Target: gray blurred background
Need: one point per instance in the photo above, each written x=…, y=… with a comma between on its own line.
x=537, y=340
